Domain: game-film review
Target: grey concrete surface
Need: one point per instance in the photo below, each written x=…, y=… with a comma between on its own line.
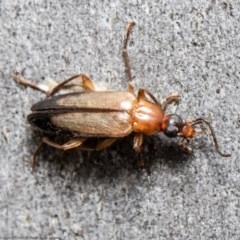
x=192, y=47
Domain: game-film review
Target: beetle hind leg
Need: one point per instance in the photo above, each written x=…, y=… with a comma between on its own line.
x=78, y=143
x=27, y=83
x=68, y=145
x=73, y=143
x=86, y=83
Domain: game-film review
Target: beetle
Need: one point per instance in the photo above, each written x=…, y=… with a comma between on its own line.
x=84, y=114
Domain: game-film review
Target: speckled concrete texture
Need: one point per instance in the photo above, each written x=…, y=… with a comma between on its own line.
x=190, y=47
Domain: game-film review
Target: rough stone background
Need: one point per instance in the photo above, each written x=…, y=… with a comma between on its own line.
x=192, y=47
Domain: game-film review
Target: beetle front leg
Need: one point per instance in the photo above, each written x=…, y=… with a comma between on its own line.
x=184, y=146
x=173, y=98
x=144, y=93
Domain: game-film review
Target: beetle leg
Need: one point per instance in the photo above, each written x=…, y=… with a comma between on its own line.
x=24, y=82
x=105, y=143
x=35, y=156
x=100, y=146
x=173, y=98
x=126, y=56
x=77, y=142
x=184, y=146
x=137, y=146
x=137, y=142
x=144, y=93
x=86, y=84
x=73, y=143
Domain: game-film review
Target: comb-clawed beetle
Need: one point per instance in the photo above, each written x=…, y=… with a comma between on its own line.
x=108, y=115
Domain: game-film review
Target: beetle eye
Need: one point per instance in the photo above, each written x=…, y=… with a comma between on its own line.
x=174, y=126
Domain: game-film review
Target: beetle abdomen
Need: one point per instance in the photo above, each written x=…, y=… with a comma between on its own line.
x=85, y=114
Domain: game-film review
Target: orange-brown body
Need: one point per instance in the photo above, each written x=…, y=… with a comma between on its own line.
x=97, y=114
x=147, y=117
x=107, y=115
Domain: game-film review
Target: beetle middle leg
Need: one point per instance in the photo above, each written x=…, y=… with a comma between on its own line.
x=137, y=146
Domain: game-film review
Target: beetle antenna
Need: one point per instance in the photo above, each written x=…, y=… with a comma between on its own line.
x=203, y=121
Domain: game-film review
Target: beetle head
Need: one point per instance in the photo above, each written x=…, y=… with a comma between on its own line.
x=174, y=126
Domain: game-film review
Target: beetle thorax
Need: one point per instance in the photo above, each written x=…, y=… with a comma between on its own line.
x=147, y=117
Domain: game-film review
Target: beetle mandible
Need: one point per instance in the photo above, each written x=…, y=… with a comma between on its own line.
x=108, y=115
